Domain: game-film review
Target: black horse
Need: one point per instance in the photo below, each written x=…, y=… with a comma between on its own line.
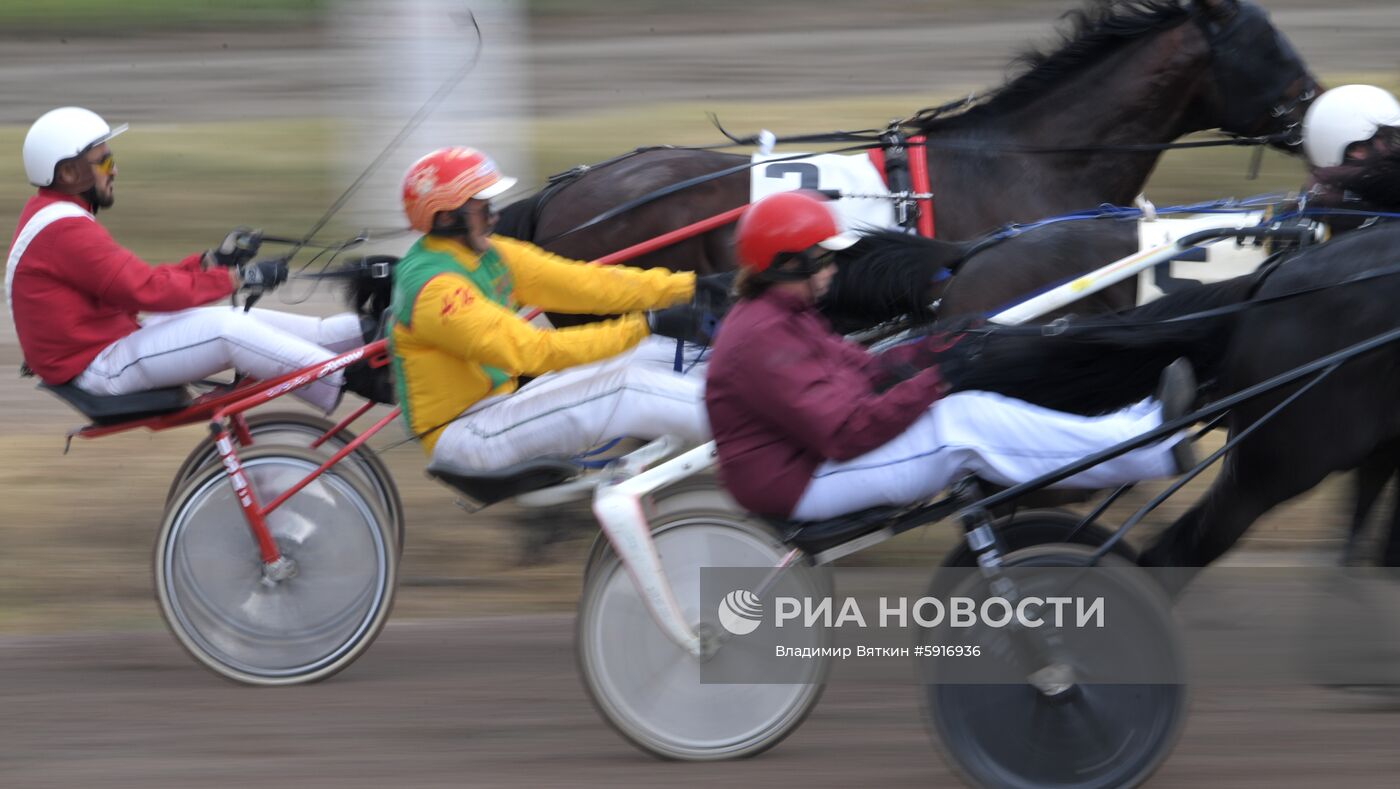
x=1369, y=184
x=1347, y=421
x=1128, y=72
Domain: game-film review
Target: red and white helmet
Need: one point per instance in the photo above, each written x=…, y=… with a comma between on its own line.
x=445, y=179
x=787, y=223
x=62, y=134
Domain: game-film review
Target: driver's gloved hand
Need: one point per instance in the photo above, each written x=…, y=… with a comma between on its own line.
x=237, y=248
x=715, y=291
x=687, y=322
x=262, y=274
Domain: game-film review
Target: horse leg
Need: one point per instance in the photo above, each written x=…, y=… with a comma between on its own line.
x=1390, y=554
x=1259, y=474
x=1370, y=478
x=1208, y=529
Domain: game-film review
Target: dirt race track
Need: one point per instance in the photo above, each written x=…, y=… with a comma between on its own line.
x=486, y=702
x=490, y=701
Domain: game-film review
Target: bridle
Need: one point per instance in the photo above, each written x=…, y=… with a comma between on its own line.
x=1237, y=37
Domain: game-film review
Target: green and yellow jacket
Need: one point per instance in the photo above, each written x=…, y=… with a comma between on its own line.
x=456, y=337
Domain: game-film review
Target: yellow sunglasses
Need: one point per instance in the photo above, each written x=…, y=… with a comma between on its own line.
x=106, y=164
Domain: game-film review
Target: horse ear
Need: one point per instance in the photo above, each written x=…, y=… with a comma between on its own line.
x=1217, y=10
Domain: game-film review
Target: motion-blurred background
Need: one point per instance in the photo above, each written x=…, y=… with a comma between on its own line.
x=261, y=112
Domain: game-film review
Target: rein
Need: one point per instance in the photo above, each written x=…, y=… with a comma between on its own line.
x=665, y=191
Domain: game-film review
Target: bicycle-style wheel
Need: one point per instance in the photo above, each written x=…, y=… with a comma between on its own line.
x=212, y=589
x=1082, y=734
x=647, y=687
x=1031, y=528
x=295, y=429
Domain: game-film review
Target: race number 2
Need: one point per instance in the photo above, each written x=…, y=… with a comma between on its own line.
x=807, y=173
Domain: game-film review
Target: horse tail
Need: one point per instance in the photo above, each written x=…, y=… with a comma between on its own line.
x=1100, y=364
x=887, y=274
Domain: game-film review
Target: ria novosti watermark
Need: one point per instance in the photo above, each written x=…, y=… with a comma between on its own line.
x=1276, y=626
x=741, y=612
x=786, y=627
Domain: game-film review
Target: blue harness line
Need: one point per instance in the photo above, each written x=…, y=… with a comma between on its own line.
x=1227, y=205
x=1108, y=211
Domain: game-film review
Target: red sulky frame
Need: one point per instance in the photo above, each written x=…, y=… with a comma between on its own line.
x=224, y=412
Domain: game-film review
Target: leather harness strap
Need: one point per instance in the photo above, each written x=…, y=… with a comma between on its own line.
x=918, y=172
x=906, y=170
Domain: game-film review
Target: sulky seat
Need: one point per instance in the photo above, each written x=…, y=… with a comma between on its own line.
x=489, y=487
x=820, y=536
x=111, y=409
x=817, y=536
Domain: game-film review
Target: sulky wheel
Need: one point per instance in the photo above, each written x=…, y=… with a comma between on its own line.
x=294, y=429
x=1039, y=527
x=701, y=493
x=220, y=605
x=1070, y=731
x=648, y=688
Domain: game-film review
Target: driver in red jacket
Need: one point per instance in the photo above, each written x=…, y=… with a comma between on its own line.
x=804, y=430
x=74, y=293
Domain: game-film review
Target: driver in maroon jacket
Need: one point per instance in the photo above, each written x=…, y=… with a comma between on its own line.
x=804, y=424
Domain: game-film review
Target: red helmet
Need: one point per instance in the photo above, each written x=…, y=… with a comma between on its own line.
x=787, y=223
x=445, y=179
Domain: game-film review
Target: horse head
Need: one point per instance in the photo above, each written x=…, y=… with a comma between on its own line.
x=1260, y=85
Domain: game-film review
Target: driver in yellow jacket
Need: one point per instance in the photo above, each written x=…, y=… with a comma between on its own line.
x=459, y=345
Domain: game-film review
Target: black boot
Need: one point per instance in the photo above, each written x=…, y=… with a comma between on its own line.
x=1177, y=394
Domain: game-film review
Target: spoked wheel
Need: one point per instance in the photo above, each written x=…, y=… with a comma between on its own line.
x=213, y=591
x=648, y=688
x=294, y=429
x=1040, y=527
x=1081, y=734
x=702, y=494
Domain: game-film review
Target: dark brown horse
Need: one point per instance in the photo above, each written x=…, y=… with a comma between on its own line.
x=1130, y=72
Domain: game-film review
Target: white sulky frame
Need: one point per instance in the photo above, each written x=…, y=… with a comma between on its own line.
x=618, y=503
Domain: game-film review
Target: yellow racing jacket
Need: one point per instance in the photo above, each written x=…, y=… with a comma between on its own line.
x=455, y=336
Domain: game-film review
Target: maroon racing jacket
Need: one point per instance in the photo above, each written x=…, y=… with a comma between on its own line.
x=784, y=393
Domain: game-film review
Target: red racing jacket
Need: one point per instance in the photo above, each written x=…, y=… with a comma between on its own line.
x=73, y=290
x=784, y=393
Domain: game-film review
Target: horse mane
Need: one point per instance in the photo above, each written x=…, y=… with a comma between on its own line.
x=1090, y=34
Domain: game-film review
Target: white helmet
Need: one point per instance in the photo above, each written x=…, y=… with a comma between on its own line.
x=62, y=134
x=1345, y=115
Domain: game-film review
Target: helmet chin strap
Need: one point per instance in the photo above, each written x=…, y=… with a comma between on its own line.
x=805, y=269
x=459, y=228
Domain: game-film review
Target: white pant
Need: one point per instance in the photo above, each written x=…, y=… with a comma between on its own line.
x=636, y=394
x=174, y=348
x=1000, y=439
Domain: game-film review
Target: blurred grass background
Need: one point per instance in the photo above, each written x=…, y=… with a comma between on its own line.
x=180, y=187
x=78, y=18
